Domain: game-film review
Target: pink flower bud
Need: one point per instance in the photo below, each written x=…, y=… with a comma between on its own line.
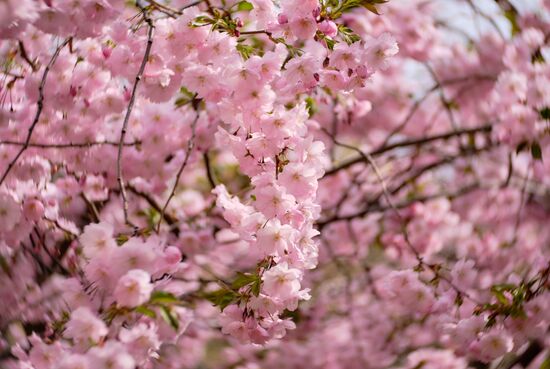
x=316, y=12
x=328, y=27
x=106, y=51
x=363, y=71
x=282, y=19
x=127, y=94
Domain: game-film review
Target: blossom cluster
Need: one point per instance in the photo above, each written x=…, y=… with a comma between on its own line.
x=263, y=184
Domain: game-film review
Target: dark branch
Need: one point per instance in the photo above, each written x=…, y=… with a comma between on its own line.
x=40, y=106
x=407, y=143
x=139, y=75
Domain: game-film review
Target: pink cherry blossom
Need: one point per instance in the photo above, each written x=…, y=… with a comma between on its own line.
x=133, y=289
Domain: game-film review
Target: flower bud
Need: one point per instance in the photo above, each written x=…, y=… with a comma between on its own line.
x=328, y=27
x=282, y=19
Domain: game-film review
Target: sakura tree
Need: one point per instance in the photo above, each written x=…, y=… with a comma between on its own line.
x=224, y=184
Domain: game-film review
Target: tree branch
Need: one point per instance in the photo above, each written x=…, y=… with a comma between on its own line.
x=40, y=107
x=406, y=143
x=68, y=145
x=120, y=177
x=190, y=146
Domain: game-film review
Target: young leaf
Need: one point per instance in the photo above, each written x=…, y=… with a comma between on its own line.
x=245, y=50
x=347, y=35
x=256, y=287
x=169, y=317
x=162, y=297
x=245, y=6
x=243, y=279
x=222, y=298
x=311, y=106
x=146, y=311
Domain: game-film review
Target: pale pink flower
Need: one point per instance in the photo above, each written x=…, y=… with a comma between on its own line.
x=133, y=289
x=492, y=345
x=379, y=50
x=137, y=254
x=109, y=356
x=97, y=239
x=281, y=281
x=141, y=341
x=274, y=238
x=84, y=326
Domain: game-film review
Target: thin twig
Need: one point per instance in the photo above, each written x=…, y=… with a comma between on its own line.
x=208, y=167
x=489, y=19
x=25, y=56
x=91, y=206
x=443, y=98
x=522, y=202
x=438, y=85
x=153, y=203
x=406, y=143
x=373, y=205
x=120, y=177
x=67, y=145
x=194, y=3
x=40, y=106
x=368, y=158
x=510, y=171
x=58, y=225
x=190, y=146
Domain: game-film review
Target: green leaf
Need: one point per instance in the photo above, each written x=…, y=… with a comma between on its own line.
x=245, y=50
x=121, y=239
x=546, y=363
x=244, y=279
x=245, y=6
x=328, y=41
x=163, y=297
x=146, y=311
x=536, y=151
x=222, y=298
x=181, y=101
x=500, y=297
x=256, y=287
x=169, y=317
x=201, y=21
x=371, y=8
x=504, y=287
x=370, y=5
x=347, y=35
x=511, y=16
x=186, y=92
x=311, y=106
